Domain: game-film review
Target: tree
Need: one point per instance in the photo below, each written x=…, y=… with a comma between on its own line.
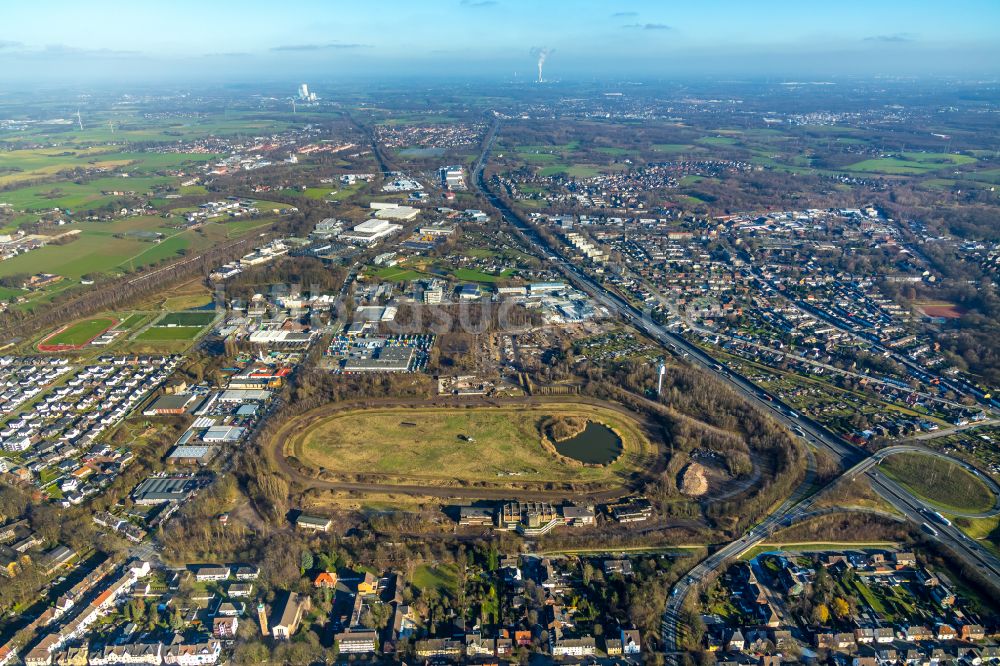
x=306, y=560
x=154, y=616
x=841, y=608
x=821, y=614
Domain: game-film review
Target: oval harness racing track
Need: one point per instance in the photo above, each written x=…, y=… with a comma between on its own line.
x=652, y=464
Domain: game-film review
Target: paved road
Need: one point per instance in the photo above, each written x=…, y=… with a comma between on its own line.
x=812, y=431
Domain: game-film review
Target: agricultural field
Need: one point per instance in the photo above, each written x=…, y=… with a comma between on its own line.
x=910, y=163
x=445, y=446
x=133, y=128
x=110, y=248
x=939, y=481
x=80, y=196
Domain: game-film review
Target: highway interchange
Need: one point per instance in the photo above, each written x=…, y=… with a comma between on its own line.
x=799, y=504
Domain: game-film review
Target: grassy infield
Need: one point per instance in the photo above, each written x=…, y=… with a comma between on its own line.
x=507, y=444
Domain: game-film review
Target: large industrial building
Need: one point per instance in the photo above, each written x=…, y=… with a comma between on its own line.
x=370, y=231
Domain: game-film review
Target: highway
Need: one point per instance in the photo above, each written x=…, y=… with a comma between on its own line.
x=799, y=504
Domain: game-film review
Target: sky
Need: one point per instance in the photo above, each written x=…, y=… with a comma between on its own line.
x=60, y=41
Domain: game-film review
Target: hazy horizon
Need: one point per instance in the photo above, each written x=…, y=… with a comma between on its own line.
x=58, y=42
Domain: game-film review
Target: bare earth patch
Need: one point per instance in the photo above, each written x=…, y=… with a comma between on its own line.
x=694, y=482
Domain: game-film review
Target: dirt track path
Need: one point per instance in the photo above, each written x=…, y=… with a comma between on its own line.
x=275, y=451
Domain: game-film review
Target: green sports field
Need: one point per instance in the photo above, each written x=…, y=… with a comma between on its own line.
x=187, y=319
x=168, y=333
x=80, y=333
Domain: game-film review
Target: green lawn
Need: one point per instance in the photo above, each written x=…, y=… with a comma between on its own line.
x=940, y=481
x=870, y=597
x=131, y=322
x=443, y=579
x=538, y=157
x=470, y=275
x=718, y=141
x=395, y=274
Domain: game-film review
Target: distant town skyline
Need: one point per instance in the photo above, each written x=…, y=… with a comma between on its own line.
x=60, y=41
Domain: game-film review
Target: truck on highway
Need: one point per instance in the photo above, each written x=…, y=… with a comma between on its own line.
x=930, y=530
x=936, y=515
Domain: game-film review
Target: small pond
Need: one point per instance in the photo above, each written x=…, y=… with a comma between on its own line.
x=596, y=445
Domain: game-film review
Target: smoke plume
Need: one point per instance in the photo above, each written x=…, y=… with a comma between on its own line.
x=541, y=53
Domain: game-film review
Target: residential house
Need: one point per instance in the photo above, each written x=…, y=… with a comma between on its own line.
x=239, y=590
x=476, y=645
x=325, y=580
x=438, y=647
x=313, y=523
x=917, y=633
x=182, y=653
x=631, y=642
x=946, y=632
x=574, y=647
x=211, y=573
x=72, y=656
x=884, y=635
x=247, y=572
x=368, y=584
x=129, y=653
x=972, y=632
x=225, y=627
